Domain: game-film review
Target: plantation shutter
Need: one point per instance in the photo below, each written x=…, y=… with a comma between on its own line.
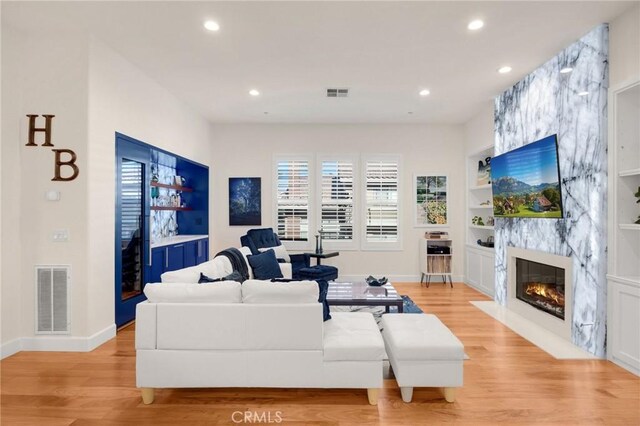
x=337, y=200
x=131, y=198
x=381, y=177
x=293, y=200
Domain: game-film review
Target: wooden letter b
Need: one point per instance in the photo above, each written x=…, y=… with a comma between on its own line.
x=59, y=163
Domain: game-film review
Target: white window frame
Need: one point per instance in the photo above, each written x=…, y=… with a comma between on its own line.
x=331, y=244
x=296, y=245
x=380, y=246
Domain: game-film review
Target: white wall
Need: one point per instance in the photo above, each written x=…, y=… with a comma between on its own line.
x=37, y=79
x=93, y=92
x=1, y=240
x=122, y=99
x=10, y=293
x=624, y=47
x=248, y=150
x=478, y=131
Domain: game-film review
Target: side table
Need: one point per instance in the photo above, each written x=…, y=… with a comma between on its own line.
x=325, y=255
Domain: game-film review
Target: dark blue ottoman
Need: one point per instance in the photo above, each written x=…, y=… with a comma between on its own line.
x=318, y=272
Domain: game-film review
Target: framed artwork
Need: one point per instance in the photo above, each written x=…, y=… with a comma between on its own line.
x=245, y=203
x=430, y=200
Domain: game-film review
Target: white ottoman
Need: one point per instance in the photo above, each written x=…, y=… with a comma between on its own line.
x=423, y=352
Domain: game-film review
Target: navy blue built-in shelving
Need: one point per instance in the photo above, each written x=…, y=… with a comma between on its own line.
x=140, y=227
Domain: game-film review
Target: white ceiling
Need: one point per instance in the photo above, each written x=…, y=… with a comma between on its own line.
x=385, y=52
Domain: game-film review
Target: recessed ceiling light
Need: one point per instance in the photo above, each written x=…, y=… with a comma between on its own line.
x=254, y=92
x=476, y=24
x=504, y=70
x=266, y=112
x=424, y=92
x=410, y=112
x=212, y=25
x=566, y=70
x=585, y=93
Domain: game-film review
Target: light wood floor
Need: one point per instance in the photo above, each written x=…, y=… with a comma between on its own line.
x=507, y=380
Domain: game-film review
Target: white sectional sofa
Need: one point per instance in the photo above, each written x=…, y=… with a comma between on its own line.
x=215, y=268
x=258, y=334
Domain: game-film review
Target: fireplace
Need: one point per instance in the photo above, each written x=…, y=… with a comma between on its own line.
x=540, y=289
x=541, y=286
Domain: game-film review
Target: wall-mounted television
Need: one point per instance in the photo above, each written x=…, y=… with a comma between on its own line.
x=526, y=181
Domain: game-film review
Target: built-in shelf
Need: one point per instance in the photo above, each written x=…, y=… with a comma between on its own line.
x=174, y=187
x=623, y=279
x=480, y=226
x=180, y=209
x=481, y=248
x=479, y=187
x=629, y=226
x=631, y=172
x=479, y=262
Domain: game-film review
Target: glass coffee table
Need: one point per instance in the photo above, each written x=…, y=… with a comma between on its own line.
x=361, y=294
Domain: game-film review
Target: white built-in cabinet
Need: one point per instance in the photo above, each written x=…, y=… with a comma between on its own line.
x=480, y=269
x=623, y=278
x=479, y=260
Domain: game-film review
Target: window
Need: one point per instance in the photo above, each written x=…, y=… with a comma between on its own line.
x=292, y=199
x=355, y=200
x=337, y=200
x=381, y=203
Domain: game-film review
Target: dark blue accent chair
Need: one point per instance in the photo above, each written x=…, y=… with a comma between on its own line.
x=265, y=238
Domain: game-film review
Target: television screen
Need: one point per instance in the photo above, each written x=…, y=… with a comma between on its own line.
x=526, y=181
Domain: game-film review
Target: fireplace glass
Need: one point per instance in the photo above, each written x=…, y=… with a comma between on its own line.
x=541, y=286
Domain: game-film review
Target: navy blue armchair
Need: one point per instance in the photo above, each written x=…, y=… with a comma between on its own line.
x=265, y=238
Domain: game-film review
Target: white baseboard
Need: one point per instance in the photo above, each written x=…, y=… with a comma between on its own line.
x=59, y=343
x=397, y=278
x=9, y=348
x=101, y=337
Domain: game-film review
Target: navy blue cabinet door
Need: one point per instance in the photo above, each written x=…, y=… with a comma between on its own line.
x=157, y=264
x=132, y=269
x=202, y=250
x=175, y=257
x=190, y=253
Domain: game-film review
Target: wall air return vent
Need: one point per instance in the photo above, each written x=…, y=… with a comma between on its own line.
x=52, y=299
x=337, y=93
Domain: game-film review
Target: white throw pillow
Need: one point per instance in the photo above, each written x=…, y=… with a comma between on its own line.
x=266, y=292
x=218, y=292
x=281, y=252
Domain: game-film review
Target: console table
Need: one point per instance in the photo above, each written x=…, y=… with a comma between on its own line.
x=326, y=255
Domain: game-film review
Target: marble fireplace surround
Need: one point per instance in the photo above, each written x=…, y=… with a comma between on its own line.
x=548, y=102
x=553, y=324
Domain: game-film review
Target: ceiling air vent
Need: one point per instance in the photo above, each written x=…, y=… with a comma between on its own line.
x=337, y=93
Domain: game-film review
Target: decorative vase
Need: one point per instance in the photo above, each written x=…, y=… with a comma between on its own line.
x=155, y=191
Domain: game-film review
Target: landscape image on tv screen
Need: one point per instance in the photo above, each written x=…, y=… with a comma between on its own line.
x=526, y=181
